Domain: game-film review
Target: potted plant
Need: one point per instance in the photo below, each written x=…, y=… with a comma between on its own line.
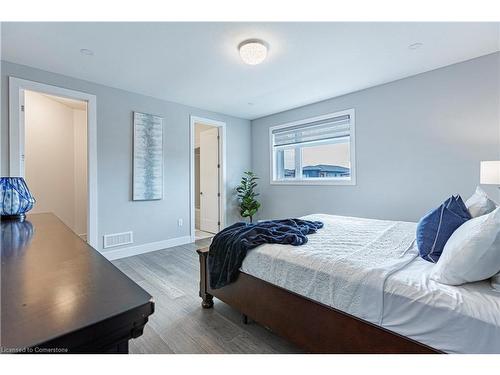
x=246, y=195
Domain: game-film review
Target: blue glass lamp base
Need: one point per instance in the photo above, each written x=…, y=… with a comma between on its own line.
x=19, y=217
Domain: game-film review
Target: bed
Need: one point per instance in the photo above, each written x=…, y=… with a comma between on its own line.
x=358, y=286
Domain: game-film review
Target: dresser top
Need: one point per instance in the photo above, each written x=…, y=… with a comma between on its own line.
x=53, y=283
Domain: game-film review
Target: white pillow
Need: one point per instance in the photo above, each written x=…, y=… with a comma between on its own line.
x=495, y=282
x=479, y=204
x=472, y=253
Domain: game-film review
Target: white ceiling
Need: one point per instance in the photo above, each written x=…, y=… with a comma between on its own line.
x=198, y=63
x=71, y=103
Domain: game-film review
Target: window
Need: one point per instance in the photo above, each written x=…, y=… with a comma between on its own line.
x=319, y=150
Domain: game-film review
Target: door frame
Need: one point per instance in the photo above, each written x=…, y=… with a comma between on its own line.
x=17, y=140
x=222, y=175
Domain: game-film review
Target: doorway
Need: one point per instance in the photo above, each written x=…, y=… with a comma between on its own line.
x=52, y=138
x=55, y=160
x=207, y=174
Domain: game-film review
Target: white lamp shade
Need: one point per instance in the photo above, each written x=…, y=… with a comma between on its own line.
x=490, y=172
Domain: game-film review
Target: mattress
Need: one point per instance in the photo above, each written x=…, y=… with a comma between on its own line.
x=371, y=269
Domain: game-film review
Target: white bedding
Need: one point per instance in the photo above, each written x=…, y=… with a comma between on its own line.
x=371, y=269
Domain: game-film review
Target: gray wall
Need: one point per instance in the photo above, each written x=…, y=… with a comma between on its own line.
x=418, y=140
x=155, y=220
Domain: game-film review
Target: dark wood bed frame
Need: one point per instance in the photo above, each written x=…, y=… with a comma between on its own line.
x=310, y=325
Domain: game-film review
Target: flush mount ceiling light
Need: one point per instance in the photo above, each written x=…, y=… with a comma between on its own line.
x=88, y=52
x=253, y=51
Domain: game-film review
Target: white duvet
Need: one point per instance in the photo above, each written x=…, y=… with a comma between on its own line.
x=371, y=269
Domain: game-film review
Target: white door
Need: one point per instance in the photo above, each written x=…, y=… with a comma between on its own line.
x=209, y=180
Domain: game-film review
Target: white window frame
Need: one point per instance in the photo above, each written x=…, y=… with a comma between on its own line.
x=316, y=181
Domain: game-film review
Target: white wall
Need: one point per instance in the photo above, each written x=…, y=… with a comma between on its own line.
x=80, y=167
x=154, y=223
x=197, y=181
x=56, y=157
x=198, y=128
x=418, y=140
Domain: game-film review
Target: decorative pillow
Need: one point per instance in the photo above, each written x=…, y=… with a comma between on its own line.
x=495, y=282
x=472, y=253
x=434, y=229
x=479, y=203
x=457, y=205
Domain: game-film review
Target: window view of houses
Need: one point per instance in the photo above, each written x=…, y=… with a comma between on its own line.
x=319, y=161
x=320, y=171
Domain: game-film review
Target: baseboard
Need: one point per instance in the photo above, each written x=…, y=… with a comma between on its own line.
x=145, y=248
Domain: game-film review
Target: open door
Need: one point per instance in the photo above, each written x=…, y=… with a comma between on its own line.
x=209, y=181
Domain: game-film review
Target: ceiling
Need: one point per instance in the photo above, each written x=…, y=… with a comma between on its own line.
x=198, y=63
x=71, y=103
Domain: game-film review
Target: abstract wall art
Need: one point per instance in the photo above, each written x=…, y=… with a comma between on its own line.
x=148, y=157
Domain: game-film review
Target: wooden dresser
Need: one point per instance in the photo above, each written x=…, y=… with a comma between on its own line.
x=59, y=295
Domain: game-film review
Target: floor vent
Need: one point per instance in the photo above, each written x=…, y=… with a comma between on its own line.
x=118, y=239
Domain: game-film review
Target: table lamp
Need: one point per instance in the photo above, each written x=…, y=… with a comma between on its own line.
x=490, y=172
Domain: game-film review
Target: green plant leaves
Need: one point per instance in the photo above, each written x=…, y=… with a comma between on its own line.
x=246, y=195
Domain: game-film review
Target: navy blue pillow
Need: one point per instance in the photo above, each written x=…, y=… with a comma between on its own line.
x=435, y=228
x=457, y=205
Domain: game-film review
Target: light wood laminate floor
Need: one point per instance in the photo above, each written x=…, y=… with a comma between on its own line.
x=179, y=324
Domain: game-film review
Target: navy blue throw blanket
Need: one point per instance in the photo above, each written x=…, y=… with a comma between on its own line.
x=229, y=247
